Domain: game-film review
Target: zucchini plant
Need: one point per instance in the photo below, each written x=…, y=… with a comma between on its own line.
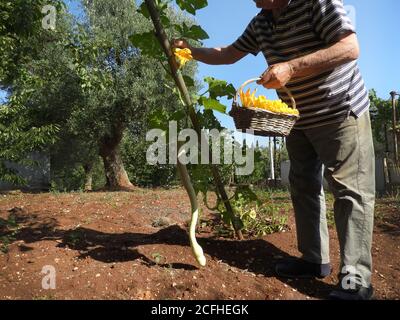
x=156, y=43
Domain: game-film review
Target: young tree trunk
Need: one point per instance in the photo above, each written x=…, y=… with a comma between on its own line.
x=116, y=176
x=88, y=176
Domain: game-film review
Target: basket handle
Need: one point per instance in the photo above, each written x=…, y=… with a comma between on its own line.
x=257, y=79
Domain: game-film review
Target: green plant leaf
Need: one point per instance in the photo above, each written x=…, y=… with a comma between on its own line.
x=191, y=6
x=158, y=120
x=177, y=115
x=143, y=10
x=213, y=104
x=194, y=32
x=189, y=81
x=197, y=33
x=147, y=42
x=161, y=10
x=220, y=88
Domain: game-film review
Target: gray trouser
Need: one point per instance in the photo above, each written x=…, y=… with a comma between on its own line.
x=346, y=152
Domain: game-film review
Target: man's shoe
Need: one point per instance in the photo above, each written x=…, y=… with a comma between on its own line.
x=301, y=269
x=361, y=293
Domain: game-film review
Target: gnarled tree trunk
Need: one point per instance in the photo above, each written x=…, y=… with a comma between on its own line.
x=116, y=176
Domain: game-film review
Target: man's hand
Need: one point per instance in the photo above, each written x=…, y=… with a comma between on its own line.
x=277, y=76
x=180, y=44
x=213, y=56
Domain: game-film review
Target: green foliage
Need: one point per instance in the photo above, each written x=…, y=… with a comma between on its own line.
x=20, y=31
x=220, y=88
x=216, y=89
x=381, y=114
x=18, y=137
x=148, y=43
x=8, y=231
x=259, y=213
x=22, y=38
x=381, y=120
x=69, y=175
x=212, y=104
x=176, y=27
x=192, y=6
x=193, y=32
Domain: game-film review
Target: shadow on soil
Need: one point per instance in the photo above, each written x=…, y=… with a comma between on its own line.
x=113, y=248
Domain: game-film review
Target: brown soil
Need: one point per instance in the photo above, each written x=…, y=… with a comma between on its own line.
x=125, y=245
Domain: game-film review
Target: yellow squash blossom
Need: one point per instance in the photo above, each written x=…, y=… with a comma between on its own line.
x=183, y=56
x=249, y=100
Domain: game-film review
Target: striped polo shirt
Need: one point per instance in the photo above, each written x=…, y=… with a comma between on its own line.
x=304, y=27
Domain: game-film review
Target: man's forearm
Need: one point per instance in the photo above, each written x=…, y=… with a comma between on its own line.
x=326, y=59
x=217, y=56
x=213, y=56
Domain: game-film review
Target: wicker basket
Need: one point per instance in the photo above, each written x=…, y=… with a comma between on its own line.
x=262, y=122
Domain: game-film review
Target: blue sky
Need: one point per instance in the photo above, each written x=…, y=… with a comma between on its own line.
x=377, y=27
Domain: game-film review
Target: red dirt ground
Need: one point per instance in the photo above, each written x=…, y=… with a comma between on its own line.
x=135, y=246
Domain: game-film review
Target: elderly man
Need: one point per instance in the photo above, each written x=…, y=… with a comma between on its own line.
x=311, y=48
